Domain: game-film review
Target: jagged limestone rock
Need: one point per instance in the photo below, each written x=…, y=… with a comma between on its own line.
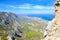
x=10, y=27
x=52, y=31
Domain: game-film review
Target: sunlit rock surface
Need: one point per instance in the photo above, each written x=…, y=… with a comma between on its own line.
x=52, y=32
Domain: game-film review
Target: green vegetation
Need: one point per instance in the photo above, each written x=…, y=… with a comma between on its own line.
x=2, y=35
x=2, y=27
x=4, y=38
x=29, y=30
x=32, y=29
x=31, y=34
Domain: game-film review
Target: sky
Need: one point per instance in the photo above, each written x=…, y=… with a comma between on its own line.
x=28, y=6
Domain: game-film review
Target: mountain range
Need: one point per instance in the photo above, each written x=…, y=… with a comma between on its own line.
x=21, y=27
x=9, y=26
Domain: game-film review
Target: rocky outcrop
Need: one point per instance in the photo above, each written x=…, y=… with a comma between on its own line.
x=9, y=25
x=52, y=32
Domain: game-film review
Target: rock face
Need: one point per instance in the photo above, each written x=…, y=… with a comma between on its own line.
x=52, y=31
x=9, y=25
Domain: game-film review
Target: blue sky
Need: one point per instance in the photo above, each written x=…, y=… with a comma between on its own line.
x=28, y=6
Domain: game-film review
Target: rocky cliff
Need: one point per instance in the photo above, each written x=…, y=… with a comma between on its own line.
x=52, y=32
x=9, y=26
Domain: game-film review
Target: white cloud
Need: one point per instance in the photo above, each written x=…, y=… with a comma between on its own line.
x=24, y=6
x=33, y=9
x=30, y=6
x=37, y=7
x=43, y=7
x=36, y=11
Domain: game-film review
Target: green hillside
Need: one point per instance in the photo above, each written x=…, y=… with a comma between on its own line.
x=32, y=28
x=21, y=28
